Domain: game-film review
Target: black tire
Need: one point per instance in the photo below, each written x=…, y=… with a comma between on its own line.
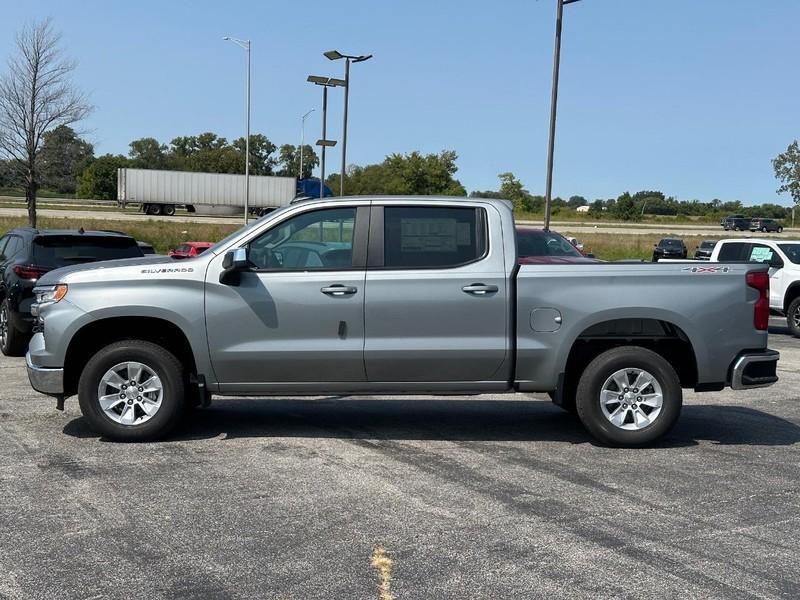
x=600, y=370
x=163, y=363
x=154, y=209
x=12, y=341
x=764, y=229
x=793, y=317
x=780, y=229
x=168, y=209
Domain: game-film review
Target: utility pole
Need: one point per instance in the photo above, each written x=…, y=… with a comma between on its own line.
x=548, y=198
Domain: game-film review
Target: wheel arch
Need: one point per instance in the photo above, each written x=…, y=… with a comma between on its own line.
x=101, y=332
x=661, y=335
x=792, y=292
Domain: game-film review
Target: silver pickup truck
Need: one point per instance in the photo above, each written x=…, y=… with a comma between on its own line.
x=404, y=295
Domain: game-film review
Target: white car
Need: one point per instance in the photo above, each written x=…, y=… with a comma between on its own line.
x=783, y=257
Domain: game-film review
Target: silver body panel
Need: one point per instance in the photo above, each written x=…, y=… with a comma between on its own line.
x=403, y=330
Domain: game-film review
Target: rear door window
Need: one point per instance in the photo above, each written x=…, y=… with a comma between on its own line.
x=733, y=252
x=14, y=246
x=761, y=253
x=63, y=250
x=431, y=237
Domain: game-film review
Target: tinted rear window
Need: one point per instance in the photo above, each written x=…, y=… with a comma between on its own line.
x=64, y=250
x=733, y=252
x=544, y=244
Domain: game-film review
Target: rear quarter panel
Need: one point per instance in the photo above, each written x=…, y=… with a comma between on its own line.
x=713, y=308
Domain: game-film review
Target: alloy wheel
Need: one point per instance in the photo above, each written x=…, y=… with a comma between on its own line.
x=631, y=399
x=130, y=393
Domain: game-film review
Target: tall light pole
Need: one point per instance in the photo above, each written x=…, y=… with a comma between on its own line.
x=246, y=45
x=336, y=55
x=325, y=82
x=303, y=140
x=553, y=103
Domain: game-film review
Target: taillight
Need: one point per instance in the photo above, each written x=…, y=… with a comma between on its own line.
x=760, y=281
x=30, y=271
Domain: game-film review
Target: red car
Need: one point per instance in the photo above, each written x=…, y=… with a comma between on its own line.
x=539, y=247
x=190, y=249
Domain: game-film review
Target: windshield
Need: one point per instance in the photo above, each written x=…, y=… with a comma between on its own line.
x=670, y=242
x=705, y=245
x=792, y=252
x=544, y=243
x=63, y=250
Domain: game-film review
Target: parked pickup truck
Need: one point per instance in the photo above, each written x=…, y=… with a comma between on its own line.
x=395, y=296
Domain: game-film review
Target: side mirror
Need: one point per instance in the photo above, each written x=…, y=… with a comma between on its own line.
x=776, y=263
x=234, y=262
x=590, y=255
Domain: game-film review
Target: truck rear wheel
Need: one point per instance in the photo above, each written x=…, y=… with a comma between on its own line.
x=154, y=209
x=168, y=209
x=132, y=391
x=793, y=317
x=629, y=396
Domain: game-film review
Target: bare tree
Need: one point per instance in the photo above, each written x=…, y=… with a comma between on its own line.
x=36, y=95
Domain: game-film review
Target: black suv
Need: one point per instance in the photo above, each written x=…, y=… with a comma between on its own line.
x=669, y=248
x=765, y=225
x=735, y=222
x=27, y=254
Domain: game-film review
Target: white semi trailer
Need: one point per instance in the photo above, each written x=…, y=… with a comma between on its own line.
x=159, y=192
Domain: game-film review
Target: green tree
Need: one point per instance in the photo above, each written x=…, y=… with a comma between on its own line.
x=625, y=208
x=148, y=153
x=261, y=149
x=99, y=180
x=289, y=161
x=405, y=174
x=576, y=201
x=63, y=157
x=597, y=209
x=787, y=171
x=511, y=189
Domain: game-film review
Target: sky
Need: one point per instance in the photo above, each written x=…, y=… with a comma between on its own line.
x=690, y=97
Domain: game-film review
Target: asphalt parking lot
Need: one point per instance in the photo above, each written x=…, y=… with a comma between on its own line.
x=484, y=497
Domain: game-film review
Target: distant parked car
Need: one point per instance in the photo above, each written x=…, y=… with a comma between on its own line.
x=735, y=222
x=704, y=250
x=536, y=246
x=765, y=225
x=27, y=254
x=669, y=248
x=146, y=247
x=190, y=249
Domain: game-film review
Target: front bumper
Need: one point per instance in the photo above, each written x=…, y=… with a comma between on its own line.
x=754, y=370
x=46, y=380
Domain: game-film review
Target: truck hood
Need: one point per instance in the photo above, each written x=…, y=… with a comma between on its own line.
x=58, y=275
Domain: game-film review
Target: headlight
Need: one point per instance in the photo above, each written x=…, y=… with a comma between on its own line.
x=50, y=294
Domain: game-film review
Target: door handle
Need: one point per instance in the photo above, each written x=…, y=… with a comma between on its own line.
x=479, y=289
x=339, y=290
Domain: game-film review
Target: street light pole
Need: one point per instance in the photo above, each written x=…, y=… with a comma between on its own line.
x=246, y=45
x=336, y=55
x=325, y=82
x=303, y=140
x=548, y=198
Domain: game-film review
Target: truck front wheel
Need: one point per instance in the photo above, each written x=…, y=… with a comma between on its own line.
x=629, y=396
x=132, y=391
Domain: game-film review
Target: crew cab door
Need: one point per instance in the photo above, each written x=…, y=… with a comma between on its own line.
x=296, y=315
x=436, y=294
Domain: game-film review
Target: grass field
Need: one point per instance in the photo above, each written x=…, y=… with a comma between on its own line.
x=163, y=235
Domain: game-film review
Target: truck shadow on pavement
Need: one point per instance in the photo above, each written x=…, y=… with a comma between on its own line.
x=452, y=420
